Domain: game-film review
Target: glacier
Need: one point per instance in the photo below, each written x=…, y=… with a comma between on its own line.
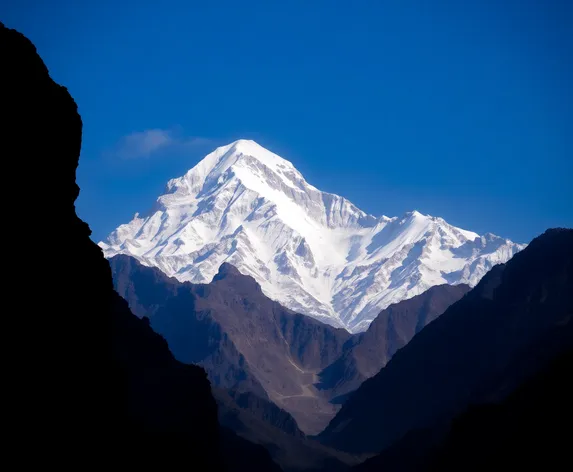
x=314, y=252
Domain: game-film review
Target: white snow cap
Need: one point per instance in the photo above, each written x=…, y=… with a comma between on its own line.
x=313, y=251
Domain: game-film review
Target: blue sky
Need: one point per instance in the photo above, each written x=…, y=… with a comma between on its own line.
x=457, y=109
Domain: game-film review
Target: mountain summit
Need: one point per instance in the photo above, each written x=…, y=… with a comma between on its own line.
x=315, y=252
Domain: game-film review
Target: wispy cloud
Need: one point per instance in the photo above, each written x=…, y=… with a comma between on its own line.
x=152, y=142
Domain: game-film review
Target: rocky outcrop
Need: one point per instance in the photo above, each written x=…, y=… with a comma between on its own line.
x=518, y=308
x=87, y=380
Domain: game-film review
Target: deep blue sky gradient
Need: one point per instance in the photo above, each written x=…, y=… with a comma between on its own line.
x=457, y=109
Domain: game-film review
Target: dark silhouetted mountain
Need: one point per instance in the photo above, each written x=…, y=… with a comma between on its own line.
x=240, y=455
x=87, y=380
x=259, y=409
x=366, y=353
x=478, y=342
x=262, y=422
x=528, y=429
x=245, y=341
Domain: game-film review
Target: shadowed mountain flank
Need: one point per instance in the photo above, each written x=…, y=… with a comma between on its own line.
x=262, y=422
x=366, y=353
x=245, y=341
x=522, y=431
x=84, y=366
x=249, y=343
x=518, y=308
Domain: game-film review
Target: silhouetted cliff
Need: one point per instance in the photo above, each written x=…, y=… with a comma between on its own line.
x=88, y=379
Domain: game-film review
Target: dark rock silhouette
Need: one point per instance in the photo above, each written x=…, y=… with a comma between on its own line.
x=95, y=383
x=262, y=422
x=366, y=353
x=245, y=341
x=231, y=404
x=525, y=430
x=521, y=306
x=240, y=455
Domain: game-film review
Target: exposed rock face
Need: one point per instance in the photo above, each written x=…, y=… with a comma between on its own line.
x=96, y=383
x=245, y=341
x=248, y=343
x=521, y=307
x=366, y=353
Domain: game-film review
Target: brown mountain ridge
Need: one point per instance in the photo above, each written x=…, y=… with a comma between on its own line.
x=245, y=341
x=249, y=343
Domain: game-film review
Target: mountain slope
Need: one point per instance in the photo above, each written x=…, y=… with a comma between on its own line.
x=524, y=303
x=366, y=353
x=314, y=252
x=81, y=373
x=259, y=409
x=245, y=341
x=262, y=422
x=250, y=344
x=522, y=431
x=526, y=430
x=239, y=455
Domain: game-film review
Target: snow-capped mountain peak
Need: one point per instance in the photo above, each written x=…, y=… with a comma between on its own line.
x=315, y=252
x=242, y=155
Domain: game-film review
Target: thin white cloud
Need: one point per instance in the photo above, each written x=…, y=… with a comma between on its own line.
x=151, y=142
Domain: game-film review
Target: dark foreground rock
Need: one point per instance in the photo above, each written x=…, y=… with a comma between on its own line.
x=481, y=349
x=528, y=430
x=86, y=381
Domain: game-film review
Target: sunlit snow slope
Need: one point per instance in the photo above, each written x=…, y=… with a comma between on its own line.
x=314, y=252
